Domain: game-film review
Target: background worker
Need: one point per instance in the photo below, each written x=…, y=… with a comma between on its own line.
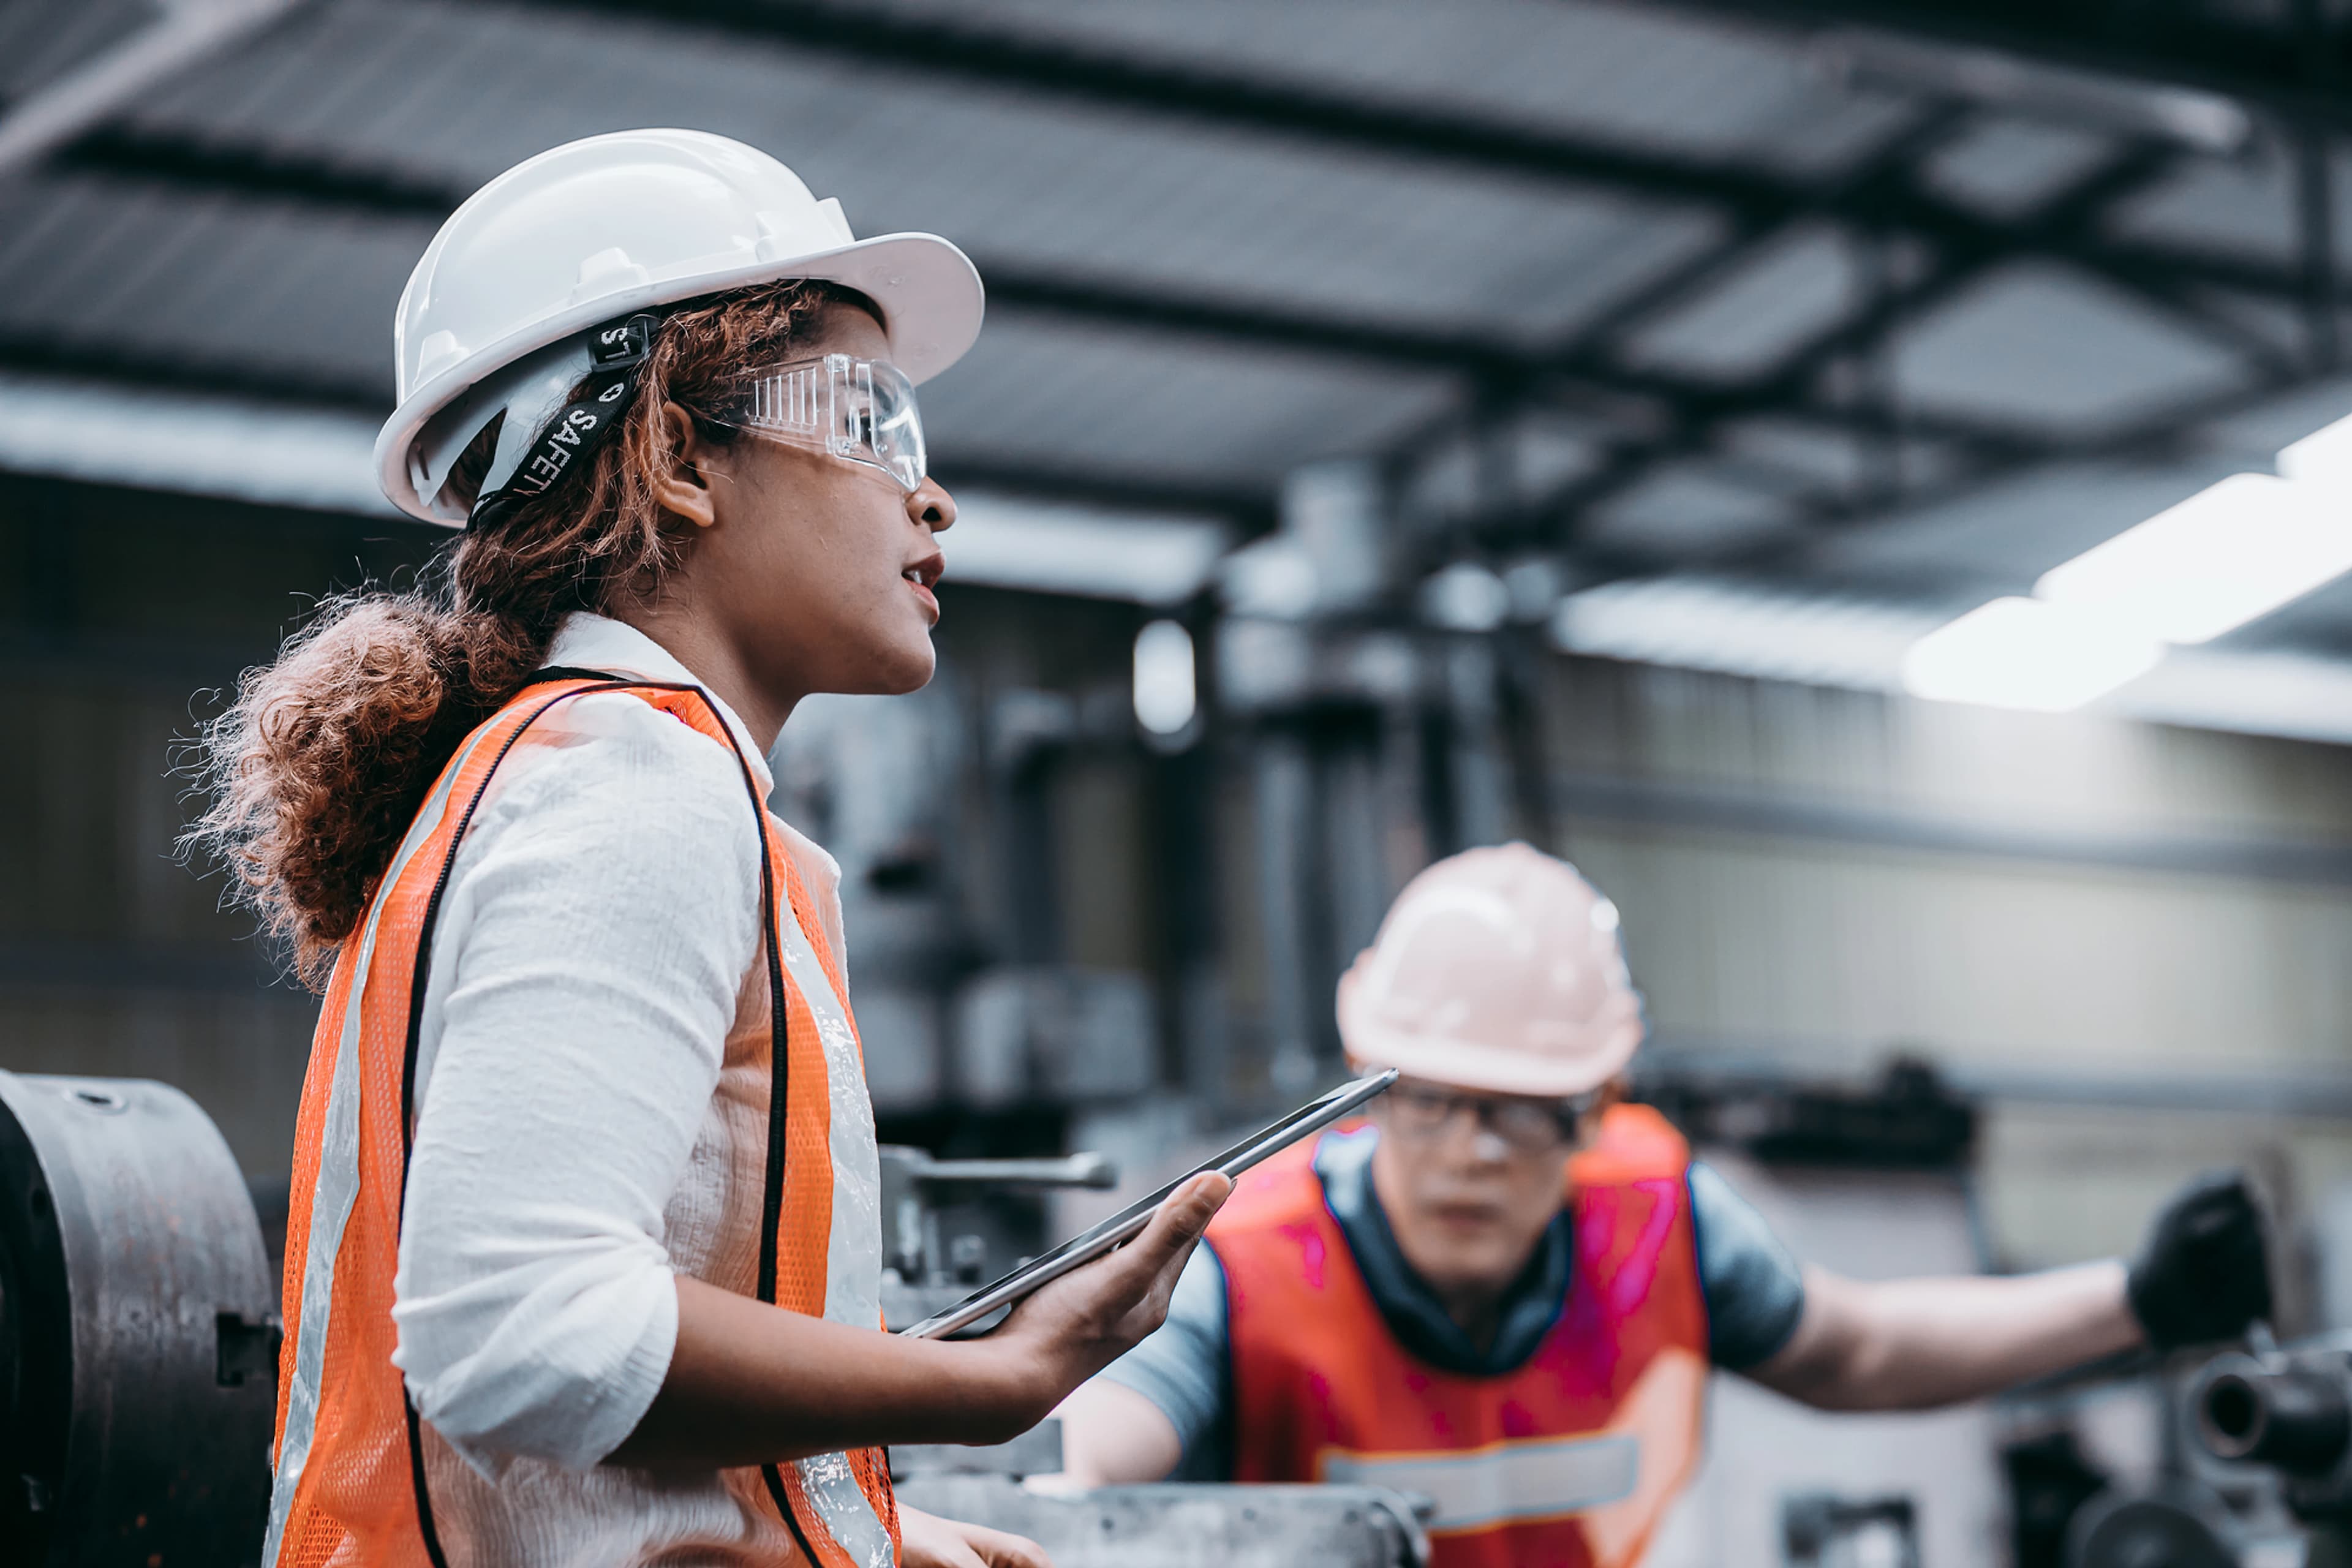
x=583, y=1258
x=1505, y=1292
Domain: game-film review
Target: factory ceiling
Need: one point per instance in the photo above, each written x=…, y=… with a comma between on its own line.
x=1821, y=295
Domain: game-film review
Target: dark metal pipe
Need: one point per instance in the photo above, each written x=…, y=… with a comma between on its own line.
x=2297, y=1417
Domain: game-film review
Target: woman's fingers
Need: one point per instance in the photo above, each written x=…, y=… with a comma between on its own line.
x=1104, y=1303
x=1179, y=1224
x=1141, y=1276
x=998, y=1550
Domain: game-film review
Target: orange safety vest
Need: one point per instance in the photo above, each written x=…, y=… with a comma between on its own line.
x=1568, y=1461
x=350, y=1485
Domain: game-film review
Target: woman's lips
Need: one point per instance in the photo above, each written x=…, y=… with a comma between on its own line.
x=930, y=601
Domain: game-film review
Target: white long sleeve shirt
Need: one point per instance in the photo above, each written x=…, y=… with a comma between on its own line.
x=591, y=1122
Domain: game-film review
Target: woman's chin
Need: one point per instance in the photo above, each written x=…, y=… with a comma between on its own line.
x=901, y=669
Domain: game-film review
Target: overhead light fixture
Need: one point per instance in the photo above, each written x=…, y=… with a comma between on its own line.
x=2222, y=558
x=2229, y=555
x=2027, y=653
x=1165, y=694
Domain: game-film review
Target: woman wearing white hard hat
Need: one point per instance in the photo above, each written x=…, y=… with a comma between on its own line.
x=1505, y=1293
x=584, y=1258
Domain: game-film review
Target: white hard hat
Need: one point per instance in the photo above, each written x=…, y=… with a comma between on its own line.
x=494, y=316
x=1498, y=970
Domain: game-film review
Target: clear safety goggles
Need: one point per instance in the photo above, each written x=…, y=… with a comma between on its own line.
x=860, y=410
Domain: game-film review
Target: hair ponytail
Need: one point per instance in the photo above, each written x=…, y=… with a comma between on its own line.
x=314, y=773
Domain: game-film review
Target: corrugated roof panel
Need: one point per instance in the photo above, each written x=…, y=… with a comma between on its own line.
x=1629, y=74
x=1135, y=195
x=1101, y=402
x=1693, y=508
x=41, y=40
x=2246, y=205
x=1830, y=460
x=2256, y=433
x=2047, y=350
x=155, y=275
x=2000, y=540
x=1793, y=287
x=2009, y=167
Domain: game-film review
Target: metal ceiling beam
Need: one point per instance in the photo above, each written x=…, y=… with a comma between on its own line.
x=1759, y=201
x=1748, y=193
x=1894, y=161
x=1691, y=408
x=2293, y=73
x=1863, y=331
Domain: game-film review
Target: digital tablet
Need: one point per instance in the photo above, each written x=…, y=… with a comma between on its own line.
x=1129, y=1223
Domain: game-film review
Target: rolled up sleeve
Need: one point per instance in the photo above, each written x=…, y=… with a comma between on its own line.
x=599, y=921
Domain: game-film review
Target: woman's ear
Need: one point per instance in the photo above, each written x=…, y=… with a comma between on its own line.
x=679, y=486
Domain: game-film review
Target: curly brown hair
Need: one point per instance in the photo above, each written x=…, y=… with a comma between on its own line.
x=315, y=771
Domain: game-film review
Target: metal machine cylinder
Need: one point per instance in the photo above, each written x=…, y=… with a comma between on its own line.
x=2295, y=1416
x=138, y=1362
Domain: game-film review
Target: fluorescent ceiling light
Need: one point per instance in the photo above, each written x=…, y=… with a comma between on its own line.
x=2025, y=653
x=2323, y=458
x=2215, y=562
x=1739, y=628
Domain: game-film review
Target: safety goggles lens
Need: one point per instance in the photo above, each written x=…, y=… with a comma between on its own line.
x=1530, y=1126
x=862, y=410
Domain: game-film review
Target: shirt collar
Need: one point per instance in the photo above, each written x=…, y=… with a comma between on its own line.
x=590, y=641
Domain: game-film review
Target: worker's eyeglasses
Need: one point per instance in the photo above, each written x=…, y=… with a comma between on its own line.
x=860, y=410
x=1529, y=1126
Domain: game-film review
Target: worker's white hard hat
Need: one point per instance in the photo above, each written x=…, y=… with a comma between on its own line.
x=1498, y=970
x=494, y=318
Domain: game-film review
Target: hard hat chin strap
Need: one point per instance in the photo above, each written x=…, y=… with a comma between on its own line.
x=616, y=356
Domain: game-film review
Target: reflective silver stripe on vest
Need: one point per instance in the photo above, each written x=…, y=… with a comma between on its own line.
x=1510, y=1482
x=853, y=1270
x=339, y=1186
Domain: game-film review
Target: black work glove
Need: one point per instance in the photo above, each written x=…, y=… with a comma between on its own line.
x=2204, y=1272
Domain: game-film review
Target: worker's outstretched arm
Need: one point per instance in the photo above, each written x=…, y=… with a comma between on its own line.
x=1909, y=1344
x=749, y=1382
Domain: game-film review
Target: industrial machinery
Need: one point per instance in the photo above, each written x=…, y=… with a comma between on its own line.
x=1189, y=1526
x=138, y=1336
x=925, y=1268
x=2264, y=1478
x=1821, y=1529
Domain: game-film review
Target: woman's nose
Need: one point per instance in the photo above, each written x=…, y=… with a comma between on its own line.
x=931, y=507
